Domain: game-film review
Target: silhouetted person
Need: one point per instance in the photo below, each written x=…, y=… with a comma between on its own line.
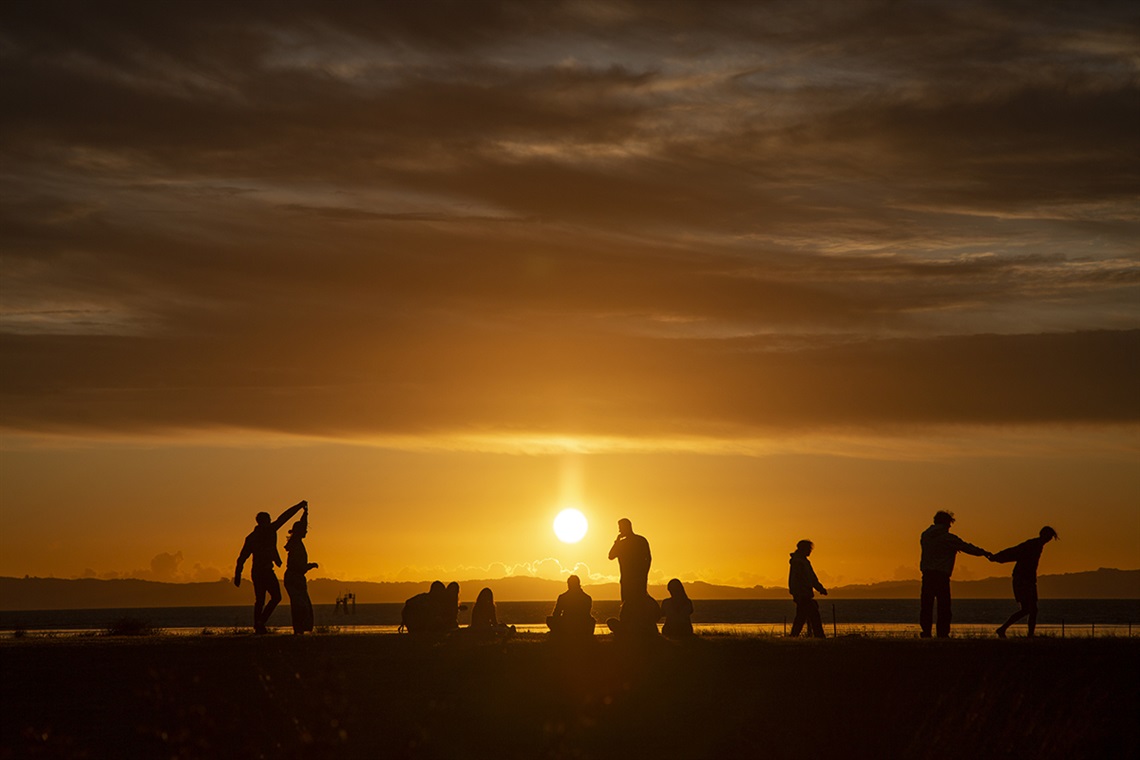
x=296, y=565
x=802, y=584
x=678, y=612
x=571, y=618
x=261, y=544
x=638, y=619
x=632, y=553
x=483, y=617
x=451, y=613
x=939, y=549
x=1026, y=555
x=426, y=612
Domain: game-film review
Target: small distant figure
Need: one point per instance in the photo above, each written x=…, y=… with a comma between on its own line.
x=1026, y=556
x=483, y=618
x=939, y=549
x=678, y=612
x=261, y=544
x=571, y=619
x=802, y=583
x=633, y=556
x=297, y=564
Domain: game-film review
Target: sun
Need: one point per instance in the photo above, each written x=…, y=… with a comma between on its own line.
x=570, y=526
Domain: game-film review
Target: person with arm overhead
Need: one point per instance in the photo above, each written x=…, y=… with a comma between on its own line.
x=939, y=549
x=261, y=545
x=297, y=564
x=1026, y=557
x=802, y=582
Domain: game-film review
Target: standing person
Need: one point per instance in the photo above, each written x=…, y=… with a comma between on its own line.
x=1026, y=555
x=261, y=544
x=802, y=583
x=632, y=553
x=296, y=565
x=678, y=612
x=939, y=549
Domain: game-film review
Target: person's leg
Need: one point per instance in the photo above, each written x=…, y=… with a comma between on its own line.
x=273, y=587
x=814, y=621
x=1032, y=612
x=306, y=607
x=943, y=598
x=1012, y=619
x=926, y=611
x=259, y=591
x=295, y=613
x=800, y=618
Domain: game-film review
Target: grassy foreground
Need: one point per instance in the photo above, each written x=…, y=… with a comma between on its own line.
x=378, y=696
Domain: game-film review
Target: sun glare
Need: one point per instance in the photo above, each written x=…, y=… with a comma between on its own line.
x=570, y=526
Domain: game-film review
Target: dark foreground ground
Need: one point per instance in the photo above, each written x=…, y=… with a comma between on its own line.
x=380, y=696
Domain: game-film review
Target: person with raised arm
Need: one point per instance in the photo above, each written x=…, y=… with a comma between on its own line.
x=939, y=549
x=297, y=564
x=1026, y=557
x=261, y=545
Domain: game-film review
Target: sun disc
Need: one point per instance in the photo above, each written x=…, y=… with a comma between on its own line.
x=570, y=526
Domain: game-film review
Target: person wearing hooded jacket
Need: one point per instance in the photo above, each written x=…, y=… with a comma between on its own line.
x=802, y=583
x=939, y=549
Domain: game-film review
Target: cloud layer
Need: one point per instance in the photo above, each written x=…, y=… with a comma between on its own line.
x=611, y=219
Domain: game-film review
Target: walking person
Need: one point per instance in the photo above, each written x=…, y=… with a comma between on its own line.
x=261, y=544
x=1026, y=557
x=802, y=584
x=297, y=564
x=939, y=549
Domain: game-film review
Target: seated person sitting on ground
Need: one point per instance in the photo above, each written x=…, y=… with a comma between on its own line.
x=571, y=617
x=678, y=612
x=483, y=618
x=638, y=618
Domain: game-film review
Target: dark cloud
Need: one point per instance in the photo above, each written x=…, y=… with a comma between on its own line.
x=621, y=218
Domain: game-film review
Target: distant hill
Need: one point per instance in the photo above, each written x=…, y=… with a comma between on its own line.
x=90, y=593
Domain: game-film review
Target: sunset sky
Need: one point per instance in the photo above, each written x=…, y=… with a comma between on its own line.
x=742, y=272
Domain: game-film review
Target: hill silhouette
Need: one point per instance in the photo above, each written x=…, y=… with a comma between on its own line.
x=89, y=593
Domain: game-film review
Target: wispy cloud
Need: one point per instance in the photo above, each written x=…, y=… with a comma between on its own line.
x=613, y=220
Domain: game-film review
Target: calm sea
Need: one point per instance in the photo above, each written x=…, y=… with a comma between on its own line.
x=1080, y=617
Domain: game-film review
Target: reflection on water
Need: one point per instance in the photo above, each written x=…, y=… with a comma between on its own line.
x=843, y=617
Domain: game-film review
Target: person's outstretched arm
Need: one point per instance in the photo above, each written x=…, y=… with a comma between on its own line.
x=246, y=550
x=967, y=548
x=289, y=513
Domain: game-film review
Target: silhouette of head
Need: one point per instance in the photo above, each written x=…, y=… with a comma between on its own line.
x=1049, y=534
x=486, y=596
x=437, y=588
x=264, y=518
x=453, y=589
x=300, y=529
x=625, y=527
x=574, y=582
x=804, y=547
x=942, y=517
x=676, y=588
